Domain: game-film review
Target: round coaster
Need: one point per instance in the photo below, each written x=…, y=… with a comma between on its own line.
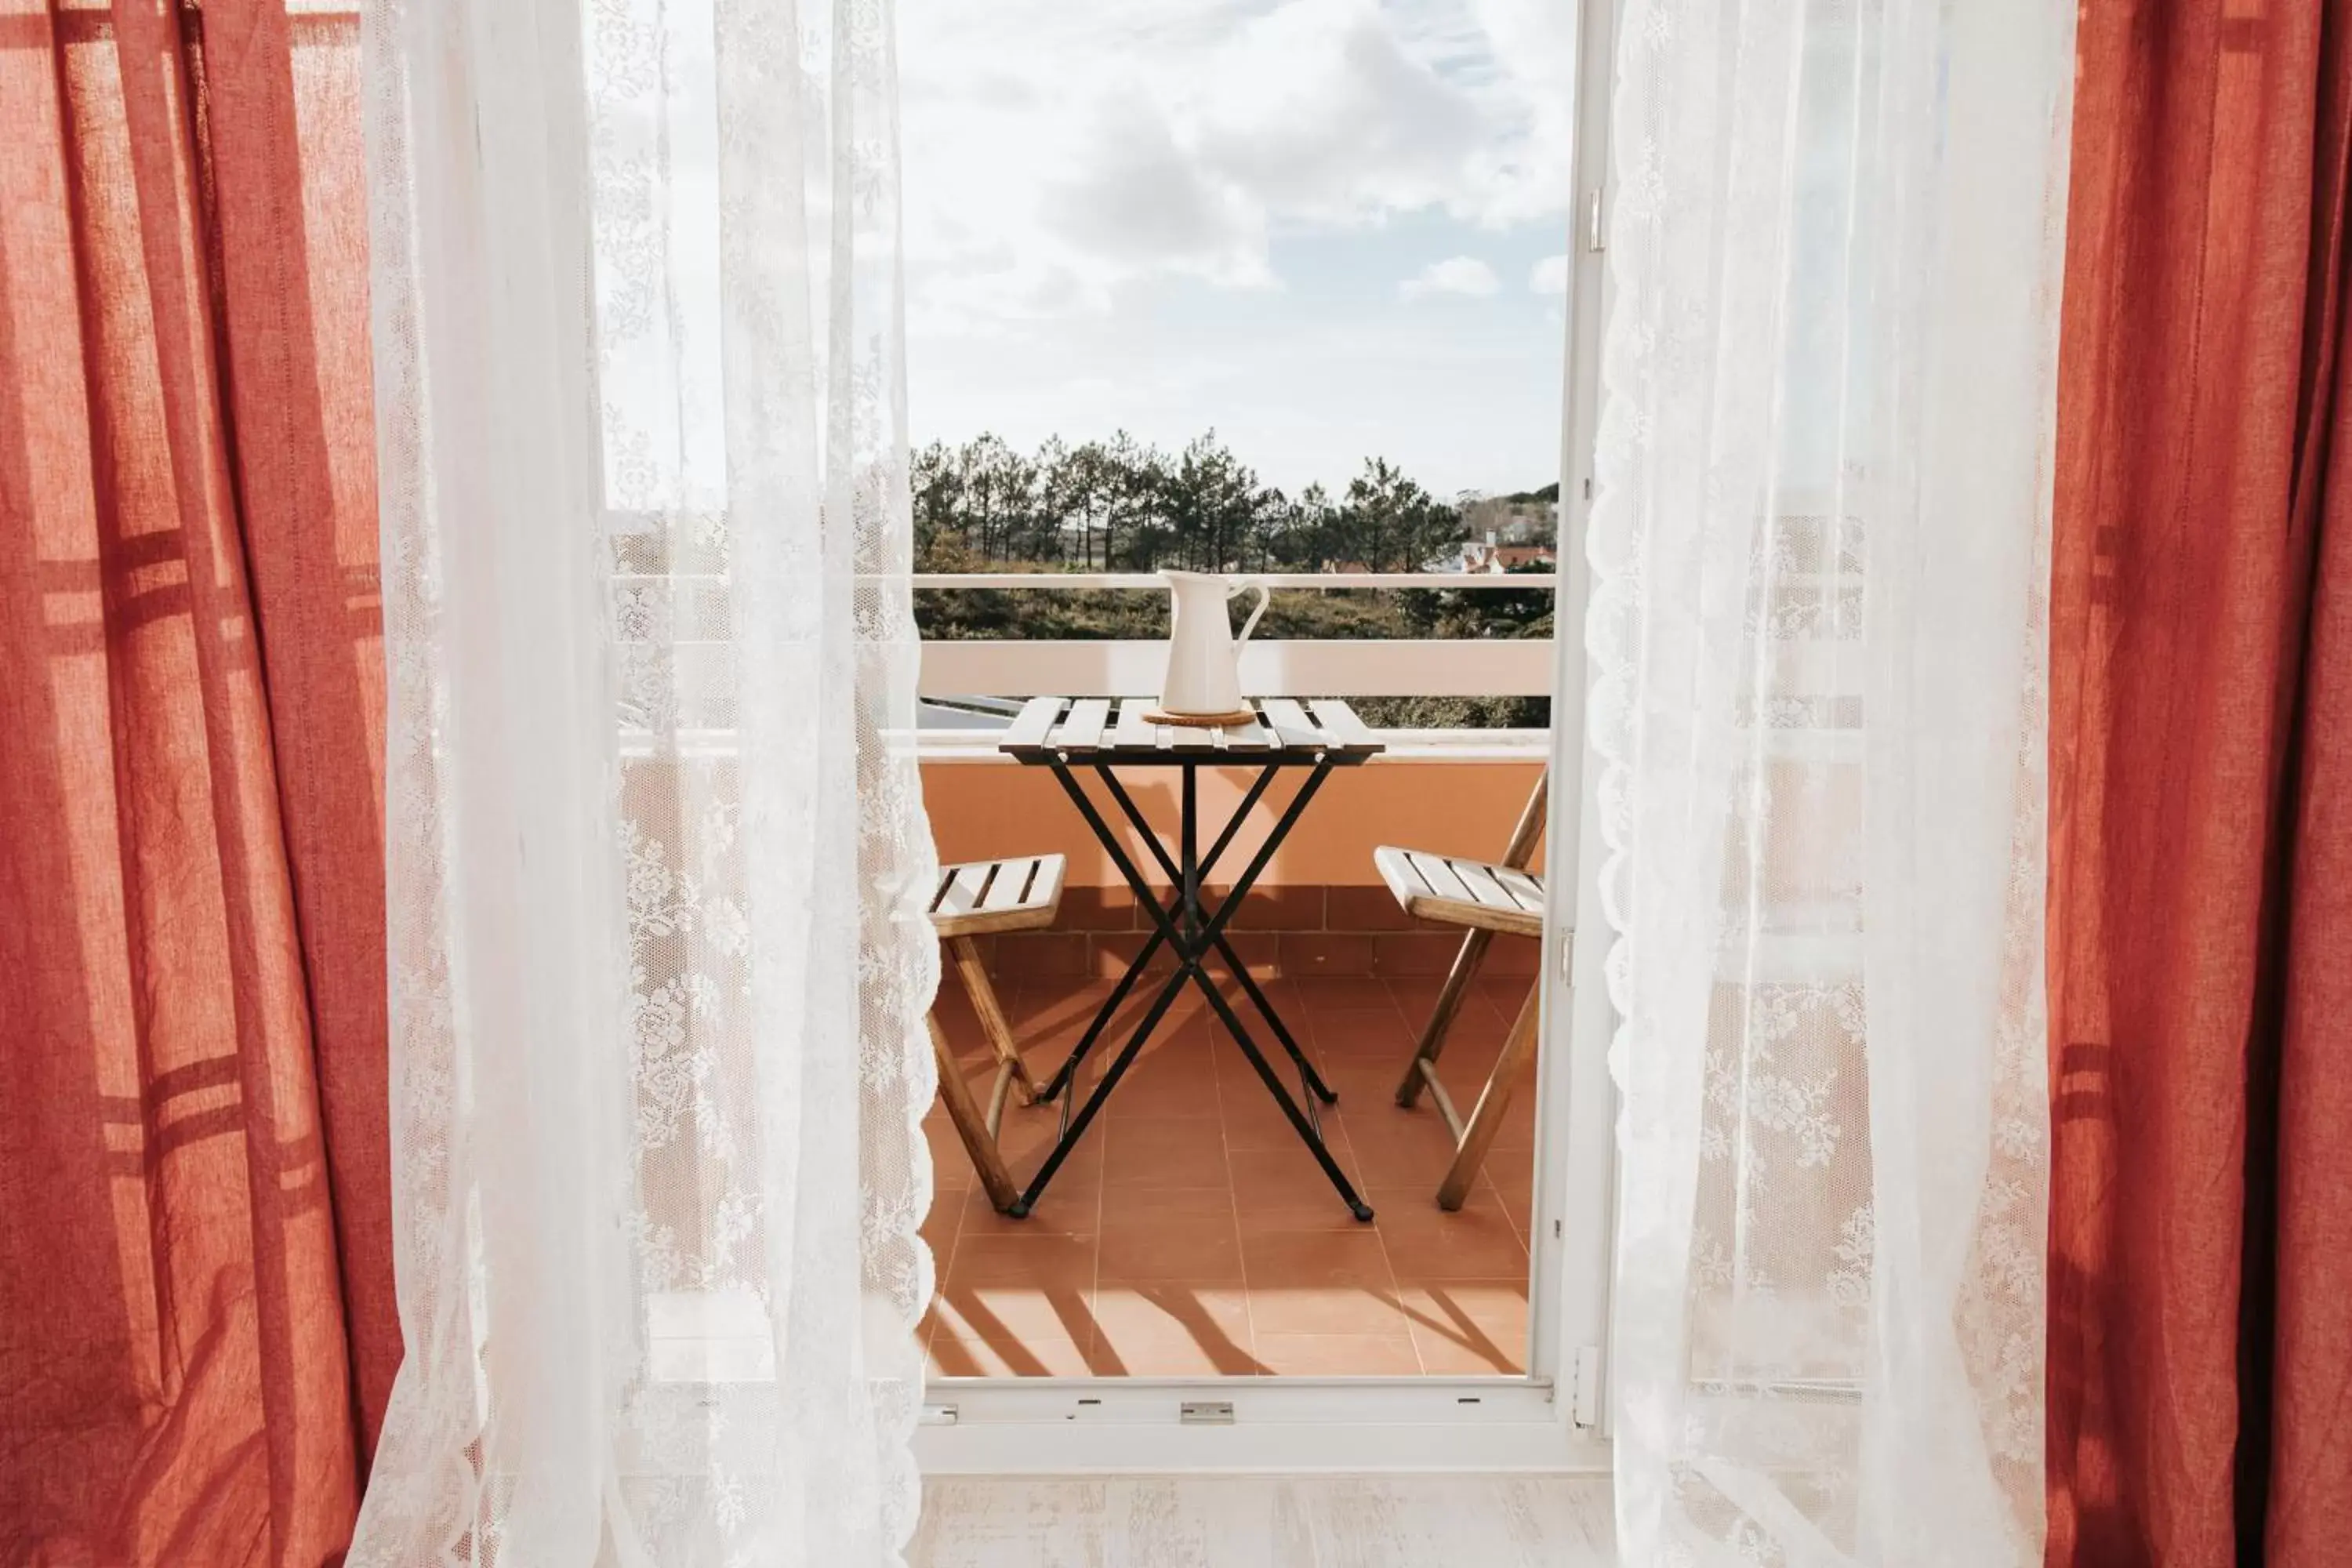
x=1202, y=720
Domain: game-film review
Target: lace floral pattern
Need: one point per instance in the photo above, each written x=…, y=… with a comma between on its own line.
x=657, y=854
x=1820, y=545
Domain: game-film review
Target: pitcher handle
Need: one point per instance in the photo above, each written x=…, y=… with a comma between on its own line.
x=1265, y=598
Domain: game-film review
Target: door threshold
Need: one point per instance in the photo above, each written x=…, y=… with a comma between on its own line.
x=983, y=1426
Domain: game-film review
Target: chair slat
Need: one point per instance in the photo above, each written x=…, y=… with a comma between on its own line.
x=1526, y=888
x=1482, y=884
x=1440, y=877
x=1022, y=893
x=1397, y=870
x=1037, y=718
x=964, y=885
x=1190, y=737
x=1009, y=887
x=1046, y=887
x=1083, y=727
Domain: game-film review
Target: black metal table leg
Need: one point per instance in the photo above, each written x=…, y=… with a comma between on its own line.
x=1119, y=1064
x=1193, y=931
x=1313, y=1079
x=1224, y=948
x=1103, y=1015
x=1143, y=960
x=1308, y=1133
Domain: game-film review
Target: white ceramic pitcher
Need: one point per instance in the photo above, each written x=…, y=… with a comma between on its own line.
x=1203, y=655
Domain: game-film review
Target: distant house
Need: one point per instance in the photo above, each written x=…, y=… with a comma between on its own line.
x=1513, y=521
x=1491, y=554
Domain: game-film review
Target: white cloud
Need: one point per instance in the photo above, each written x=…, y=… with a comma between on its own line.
x=1320, y=111
x=1463, y=275
x=1550, y=276
x=1057, y=152
x=1140, y=202
x=1167, y=215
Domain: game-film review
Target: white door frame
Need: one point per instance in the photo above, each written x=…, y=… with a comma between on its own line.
x=1555, y=1419
x=1576, y=1140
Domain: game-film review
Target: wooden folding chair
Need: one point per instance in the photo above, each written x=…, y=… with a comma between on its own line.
x=1484, y=900
x=978, y=900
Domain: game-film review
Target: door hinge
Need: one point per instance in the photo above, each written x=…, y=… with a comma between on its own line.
x=937, y=1415
x=1585, y=1409
x=1567, y=957
x=1206, y=1413
x=1594, y=239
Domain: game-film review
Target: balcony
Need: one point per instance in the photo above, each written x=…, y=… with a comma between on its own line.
x=1191, y=1234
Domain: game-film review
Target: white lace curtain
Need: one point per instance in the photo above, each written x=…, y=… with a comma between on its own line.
x=1820, y=545
x=658, y=953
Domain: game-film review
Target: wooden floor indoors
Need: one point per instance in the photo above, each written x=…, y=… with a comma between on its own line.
x=1265, y=1522
x=1191, y=1234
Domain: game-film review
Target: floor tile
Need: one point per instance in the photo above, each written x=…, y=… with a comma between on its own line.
x=951, y=1166
x=1071, y=1205
x=1141, y=1208
x=1029, y=1132
x=1319, y=1282
x=1400, y=1147
x=1337, y=1356
x=940, y=1226
x=1366, y=1085
x=1282, y=1188
x=1511, y=1172
x=1425, y=1242
x=1038, y=1259
x=1469, y=1328
x=1176, y=1151
x=1003, y=1314
x=1358, y=1033
x=1181, y=1080
x=1254, y=1119
x=1144, y=1330
x=960, y=1353
x=1335, y=990
x=1200, y=1249
x=1191, y=1234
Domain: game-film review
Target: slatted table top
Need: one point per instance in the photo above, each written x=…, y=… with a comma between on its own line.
x=1114, y=731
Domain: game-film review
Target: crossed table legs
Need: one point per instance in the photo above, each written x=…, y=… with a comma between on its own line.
x=1194, y=931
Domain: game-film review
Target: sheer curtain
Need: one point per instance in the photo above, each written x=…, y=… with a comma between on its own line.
x=1821, y=548
x=655, y=847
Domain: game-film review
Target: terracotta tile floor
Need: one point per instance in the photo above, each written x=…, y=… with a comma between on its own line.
x=1192, y=1232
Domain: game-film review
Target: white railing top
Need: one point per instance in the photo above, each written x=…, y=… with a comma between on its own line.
x=1080, y=581
x=982, y=746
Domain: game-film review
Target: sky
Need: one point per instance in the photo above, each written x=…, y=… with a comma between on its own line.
x=1326, y=228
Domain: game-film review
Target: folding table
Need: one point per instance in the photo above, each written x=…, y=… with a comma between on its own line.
x=1100, y=734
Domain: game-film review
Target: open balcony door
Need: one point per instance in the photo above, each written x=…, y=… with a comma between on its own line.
x=1552, y=1419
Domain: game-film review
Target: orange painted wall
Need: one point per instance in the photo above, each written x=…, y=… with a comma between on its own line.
x=983, y=810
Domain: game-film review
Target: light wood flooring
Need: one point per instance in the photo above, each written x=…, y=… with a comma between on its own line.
x=1275, y=1521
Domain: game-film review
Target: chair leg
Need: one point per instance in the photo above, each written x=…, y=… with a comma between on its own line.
x=964, y=1112
x=992, y=1022
x=1473, y=953
x=1493, y=1102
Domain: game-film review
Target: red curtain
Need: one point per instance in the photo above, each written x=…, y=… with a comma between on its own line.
x=2201, y=880
x=196, y=1315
